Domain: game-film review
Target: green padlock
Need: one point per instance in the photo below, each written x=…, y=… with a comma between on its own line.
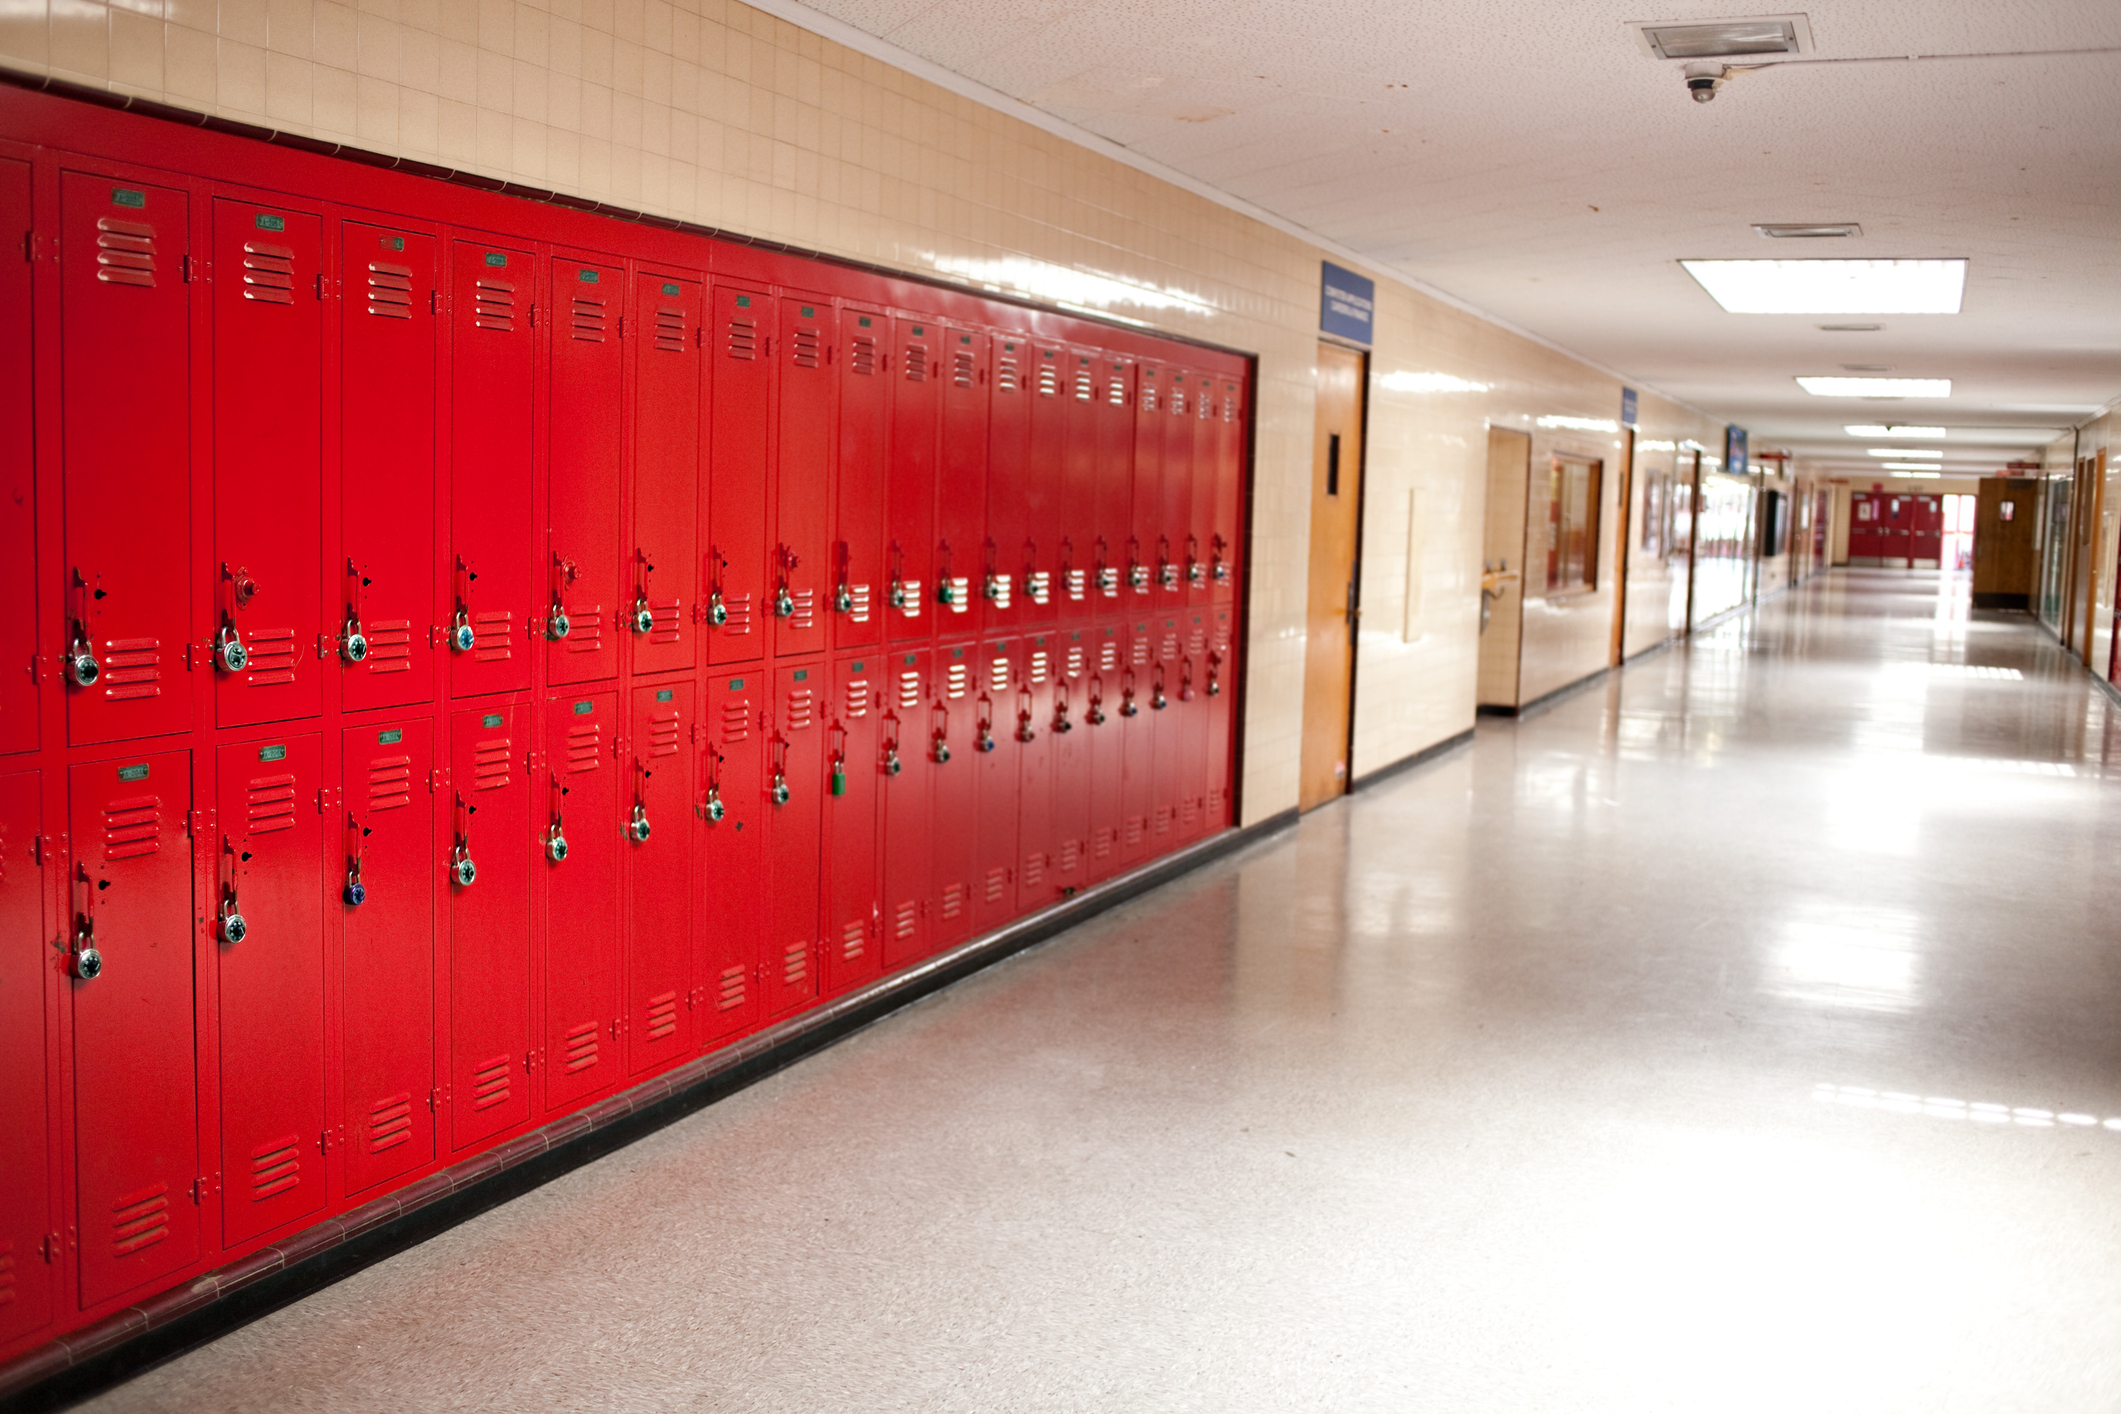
x=839, y=777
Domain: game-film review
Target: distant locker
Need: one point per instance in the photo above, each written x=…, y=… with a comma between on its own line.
x=961, y=481
x=1102, y=700
x=908, y=747
x=658, y=826
x=1138, y=733
x=577, y=871
x=961, y=717
x=19, y=578
x=1073, y=766
x=582, y=616
x=800, y=565
x=1037, y=732
x=740, y=422
x=997, y=767
x=27, y=1213
x=667, y=438
x=1008, y=553
x=492, y=445
x=858, y=491
x=487, y=873
x=732, y=858
x=795, y=819
x=909, y=482
x=856, y=774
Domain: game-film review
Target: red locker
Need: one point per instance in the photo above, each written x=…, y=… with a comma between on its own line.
x=27, y=1274
x=961, y=482
x=732, y=863
x=1220, y=689
x=1039, y=527
x=578, y=873
x=958, y=715
x=854, y=775
x=1200, y=522
x=268, y=924
x=1169, y=772
x=800, y=564
x=124, y=305
x=268, y=467
x=659, y=885
x=909, y=480
x=1106, y=736
x=1146, y=533
x=1137, y=732
x=858, y=491
x=1190, y=710
x=582, y=613
x=1112, y=510
x=1007, y=555
x=387, y=479
x=997, y=767
x=666, y=472
x=1076, y=508
x=18, y=501
x=387, y=978
x=488, y=882
x=1225, y=543
x=491, y=594
x=1073, y=767
x=136, y=1142
x=1175, y=482
x=907, y=759
x=1037, y=730
x=740, y=419
x=795, y=784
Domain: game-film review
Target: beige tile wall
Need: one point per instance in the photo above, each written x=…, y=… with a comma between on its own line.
x=713, y=112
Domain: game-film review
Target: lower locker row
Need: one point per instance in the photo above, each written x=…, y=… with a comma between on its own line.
x=492, y=915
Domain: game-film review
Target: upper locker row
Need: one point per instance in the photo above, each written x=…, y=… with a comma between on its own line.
x=874, y=476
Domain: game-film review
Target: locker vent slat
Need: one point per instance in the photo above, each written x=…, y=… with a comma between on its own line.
x=1108, y=656
x=953, y=900
x=585, y=633
x=493, y=635
x=1136, y=829
x=579, y=1047
x=667, y=617
x=1071, y=856
x=490, y=1083
x=909, y=691
x=1005, y=379
x=1040, y=665
x=739, y=606
x=858, y=603
x=743, y=342
x=805, y=615
x=916, y=363
x=1229, y=407
x=801, y=709
x=1148, y=397
x=663, y=732
x=795, y=964
x=731, y=993
x=907, y=918
x=862, y=356
x=736, y=721
x=1163, y=819
x=132, y=667
x=132, y=827
x=854, y=941
x=490, y=761
x=1116, y=392
x=1102, y=841
x=1035, y=869
x=1085, y=387
x=275, y=1167
x=662, y=1016
x=139, y=1219
x=389, y=782
x=956, y=681
x=998, y=675
x=271, y=801
x=389, y=1122
x=857, y=704
x=272, y=657
x=962, y=367
x=1048, y=381
x=670, y=330
x=805, y=350
x=997, y=885
x=584, y=748
x=586, y=324
x=125, y=252
x=1074, y=668
x=1178, y=402
x=494, y=305
x=390, y=646
x=390, y=290
x=1215, y=802
x=268, y=273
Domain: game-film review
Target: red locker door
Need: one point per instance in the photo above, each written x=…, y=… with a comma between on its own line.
x=268, y=921
x=1038, y=531
x=666, y=471
x=1142, y=538
x=387, y=977
x=1112, y=511
x=854, y=775
x=268, y=467
x=1032, y=726
x=1102, y=699
x=125, y=359
x=961, y=481
x=1137, y=730
x=996, y=766
x=1222, y=711
x=578, y=850
x=1007, y=555
x=387, y=478
x=906, y=752
x=1169, y=772
x=1073, y=766
x=909, y=480
x=581, y=611
x=1200, y=522
x=18, y=504
x=795, y=785
x=488, y=873
x=1175, y=486
x=1076, y=513
x=26, y=1270
x=858, y=492
x=491, y=595
x=955, y=722
x=800, y=565
x=1225, y=543
x=740, y=412
x=1190, y=710
x=732, y=855
x=136, y=1141
x=659, y=878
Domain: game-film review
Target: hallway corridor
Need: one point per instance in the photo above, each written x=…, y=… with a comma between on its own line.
x=1742, y=1033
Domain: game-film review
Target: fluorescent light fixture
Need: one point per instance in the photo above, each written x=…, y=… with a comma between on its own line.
x=1581, y=424
x=1832, y=286
x=1403, y=381
x=1915, y=466
x=1919, y=475
x=1721, y=39
x=1850, y=328
x=1902, y=452
x=1877, y=387
x=1870, y=429
x=1790, y=231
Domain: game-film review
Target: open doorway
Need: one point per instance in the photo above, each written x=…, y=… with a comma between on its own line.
x=1958, y=555
x=1336, y=537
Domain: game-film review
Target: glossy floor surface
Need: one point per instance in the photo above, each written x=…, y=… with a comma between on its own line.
x=1741, y=1034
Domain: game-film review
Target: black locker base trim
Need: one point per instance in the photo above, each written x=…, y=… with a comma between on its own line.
x=135, y=1340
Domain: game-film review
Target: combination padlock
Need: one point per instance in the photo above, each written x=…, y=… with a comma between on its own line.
x=991, y=588
x=1061, y=724
x=984, y=739
x=1215, y=685
x=83, y=960
x=355, y=893
x=462, y=871
x=783, y=603
x=892, y=765
x=82, y=667
x=1096, y=715
x=642, y=618
x=714, y=810
x=779, y=794
x=717, y=611
x=1222, y=573
x=1138, y=576
x=940, y=750
x=1197, y=574
x=945, y=593
x=1168, y=574
x=558, y=625
x=353, y=644
x=556, y=844
x=230, y=925
x=1157, y=699
x=898, y=594
x=637, y=824
x=461, y=637
x=843, y=600
x=1126, y=704
x=229, y=651
x=1025, y=732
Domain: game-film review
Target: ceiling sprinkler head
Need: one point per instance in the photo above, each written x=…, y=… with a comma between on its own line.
x=1703, y=79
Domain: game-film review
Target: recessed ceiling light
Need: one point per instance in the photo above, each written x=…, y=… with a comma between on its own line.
x=1868, y=367
x=1850, y=328
x=1919, y=475
x=1718, y=39
x=1786, y=231
x=1915, y=466
x=1903, y=452
x=1875, y=430
x=1877, y=387
x=1832, y=286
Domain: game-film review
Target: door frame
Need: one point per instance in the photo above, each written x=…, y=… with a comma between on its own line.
x=1355, y=562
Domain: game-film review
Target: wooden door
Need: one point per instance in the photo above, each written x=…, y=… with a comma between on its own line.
x=1336, y=526
x=1502, y=562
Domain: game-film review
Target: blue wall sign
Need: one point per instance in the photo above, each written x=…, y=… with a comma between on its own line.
x=1734, y=442
x=1347, y=305
x=1627, y=407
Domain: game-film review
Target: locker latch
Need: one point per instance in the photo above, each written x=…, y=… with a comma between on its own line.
x=1215, y=683
x=637, y=827
x=555, y=833
x=1094, y=714
x=939, y=736
x=82, y=669
x=1025, y=731
x=892, y=764
x=1127, y=707
x=783, y=601
x=1061, y=725
x=642, y=619
x=230, y=655
x=1185, y=681
x=353, y=644
x=1196, y=572
x=1157, y=699
x=983, y=725
x=1220, y=568
x=461, y=637
x=557, y=624
x=355, y=893
x=462, y=871
x=779, y=793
